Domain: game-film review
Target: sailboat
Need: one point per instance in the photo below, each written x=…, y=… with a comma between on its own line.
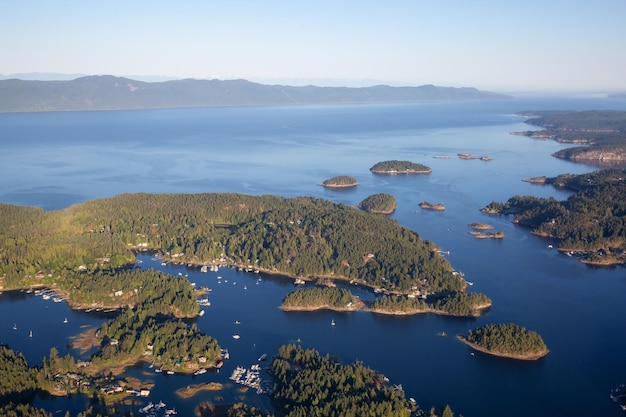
x=30, y=334
x=14, y=326
x=332, y=322
x=65, y=321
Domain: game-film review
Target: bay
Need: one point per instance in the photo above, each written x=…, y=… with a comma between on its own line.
x=53, y=160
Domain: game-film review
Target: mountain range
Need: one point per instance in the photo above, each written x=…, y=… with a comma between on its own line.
x=106, y=92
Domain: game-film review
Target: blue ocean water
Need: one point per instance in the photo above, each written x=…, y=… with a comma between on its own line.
x=53, y=160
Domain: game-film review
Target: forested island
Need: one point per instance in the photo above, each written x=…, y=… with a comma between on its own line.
x=340, y=181
x=379, y=203
x=395, y=167
x=590, y=224
x=507, y=340
x=459, y=304
x=602, y=132
x=317, y=298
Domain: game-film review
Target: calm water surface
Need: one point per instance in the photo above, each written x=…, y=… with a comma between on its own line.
x=53, y=160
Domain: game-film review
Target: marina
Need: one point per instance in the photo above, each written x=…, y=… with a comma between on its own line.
x=250, y=378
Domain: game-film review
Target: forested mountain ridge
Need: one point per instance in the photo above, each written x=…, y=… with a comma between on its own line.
x=299, y=236
x=107, y=92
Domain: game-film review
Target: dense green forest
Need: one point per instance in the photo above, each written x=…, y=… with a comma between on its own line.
x=157, y=292
x=170, y=344
x=341, y=181
x=459, y=304
x=317, y=297
x=22, y=410
x=308, y=384
x=379, y=203
x=243, y=410
x=508, y=340
x=590, y=224
x=604, y=133
x=299, y=236
x=400, y=167
x=86, y=252
x=16, y=377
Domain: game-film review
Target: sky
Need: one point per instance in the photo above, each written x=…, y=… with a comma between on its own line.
x=501, y=46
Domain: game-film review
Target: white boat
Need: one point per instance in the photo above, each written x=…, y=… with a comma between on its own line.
x=147, y=408
x=200, y=371
x=170, y=372
x=15, y=326
x=332, y=322
x=30, y=334
x=201, y=313
x=236, y=336
x=65, y=321
x=204, y=268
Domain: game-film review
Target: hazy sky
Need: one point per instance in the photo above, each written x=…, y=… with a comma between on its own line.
x=496, y=45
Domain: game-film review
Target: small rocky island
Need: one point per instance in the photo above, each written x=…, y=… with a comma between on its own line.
x=468, y=156
x=506, y=340
x=487, y=235
x=430, y=206
x=379, y=203
x=479, y=231
x=341, y=181
x=399, y=168
x=480, y=226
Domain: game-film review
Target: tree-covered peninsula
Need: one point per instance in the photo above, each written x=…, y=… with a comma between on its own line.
x=302, y=236
x=395, y=167
x=308, y=384
x=508, y=340
x=379, y=203
x=341, y=181
x=590, y=224
x=603, y=134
